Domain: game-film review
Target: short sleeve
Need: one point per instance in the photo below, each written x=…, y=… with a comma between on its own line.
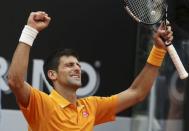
x=38, y=107
x=106, y=109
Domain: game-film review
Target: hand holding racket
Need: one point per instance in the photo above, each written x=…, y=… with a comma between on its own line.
x=151, y=12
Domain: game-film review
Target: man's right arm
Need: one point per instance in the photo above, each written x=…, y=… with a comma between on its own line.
x=19, y=65
x=17, y=72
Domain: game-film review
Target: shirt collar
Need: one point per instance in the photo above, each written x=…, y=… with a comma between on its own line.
x=59, y=99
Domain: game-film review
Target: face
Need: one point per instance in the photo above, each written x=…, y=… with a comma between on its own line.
x=69, y=72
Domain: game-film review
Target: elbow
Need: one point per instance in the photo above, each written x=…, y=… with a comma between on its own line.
x=142, y=97
x=11, y=82
x=14, y=81
x=139, y=93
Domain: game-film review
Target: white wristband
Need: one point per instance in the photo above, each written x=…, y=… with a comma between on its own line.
x=28, y=35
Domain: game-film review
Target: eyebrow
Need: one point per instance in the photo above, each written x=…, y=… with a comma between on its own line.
x=72, y=63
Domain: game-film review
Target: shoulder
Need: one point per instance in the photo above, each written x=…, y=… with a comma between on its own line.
x=36, y=91
x=98, y=99
x=39, y=96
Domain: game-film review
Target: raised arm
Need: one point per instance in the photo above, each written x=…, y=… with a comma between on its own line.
x=37, y=21
x=144, y=81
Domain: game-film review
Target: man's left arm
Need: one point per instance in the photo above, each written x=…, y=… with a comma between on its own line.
x=144, y=81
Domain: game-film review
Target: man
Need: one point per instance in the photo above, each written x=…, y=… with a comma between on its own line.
x=61, y=110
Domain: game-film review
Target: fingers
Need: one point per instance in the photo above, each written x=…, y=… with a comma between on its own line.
x=40, y=16
x=166, y=34
x=163, y=36
x=39, y=20
x=170, y=39
x=47, y=18
x=164, y=26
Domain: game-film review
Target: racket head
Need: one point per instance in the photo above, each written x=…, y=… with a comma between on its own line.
x=146, y=11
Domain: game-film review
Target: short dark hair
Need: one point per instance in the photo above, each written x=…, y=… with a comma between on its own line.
x=53, y=60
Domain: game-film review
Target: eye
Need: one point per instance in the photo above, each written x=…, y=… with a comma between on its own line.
x=69, y=65
x=72, y=64
x=79, y=65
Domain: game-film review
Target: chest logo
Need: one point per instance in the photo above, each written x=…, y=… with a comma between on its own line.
x=85, y=114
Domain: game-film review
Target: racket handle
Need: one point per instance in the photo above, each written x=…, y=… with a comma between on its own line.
x=177, y=62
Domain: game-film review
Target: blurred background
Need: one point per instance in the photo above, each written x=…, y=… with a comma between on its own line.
x=113, y=49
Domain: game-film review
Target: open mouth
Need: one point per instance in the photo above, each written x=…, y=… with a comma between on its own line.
x=76, y=76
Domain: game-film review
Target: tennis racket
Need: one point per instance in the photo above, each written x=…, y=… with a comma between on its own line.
x=151, y=12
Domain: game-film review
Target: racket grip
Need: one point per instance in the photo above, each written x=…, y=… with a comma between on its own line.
x=177, y=62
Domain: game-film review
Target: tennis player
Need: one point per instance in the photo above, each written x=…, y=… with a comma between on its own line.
x=61, y=110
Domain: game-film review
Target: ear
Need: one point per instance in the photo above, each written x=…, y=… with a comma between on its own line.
x=52, y=75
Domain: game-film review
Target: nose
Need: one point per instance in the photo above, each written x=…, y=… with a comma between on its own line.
x=77, y=68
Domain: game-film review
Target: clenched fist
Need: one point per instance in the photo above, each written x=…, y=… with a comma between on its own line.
x=163, y=35
x=38, y=20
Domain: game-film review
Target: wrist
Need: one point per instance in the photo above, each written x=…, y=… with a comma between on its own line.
x=160, y=46
x=28, y=35
x=156, y=56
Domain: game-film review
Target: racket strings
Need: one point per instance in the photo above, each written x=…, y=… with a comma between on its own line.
x=147, y=11
x=136, y=11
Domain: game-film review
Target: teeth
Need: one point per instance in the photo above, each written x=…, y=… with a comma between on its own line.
x=75, y=76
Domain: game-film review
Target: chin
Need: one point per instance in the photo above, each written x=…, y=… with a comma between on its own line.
x=75, y=83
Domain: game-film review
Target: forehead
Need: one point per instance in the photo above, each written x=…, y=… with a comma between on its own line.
x=68, y=59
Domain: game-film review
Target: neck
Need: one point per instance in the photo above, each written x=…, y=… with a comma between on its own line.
x=67, y=92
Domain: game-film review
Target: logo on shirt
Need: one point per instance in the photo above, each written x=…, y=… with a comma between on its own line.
x=85, y=114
